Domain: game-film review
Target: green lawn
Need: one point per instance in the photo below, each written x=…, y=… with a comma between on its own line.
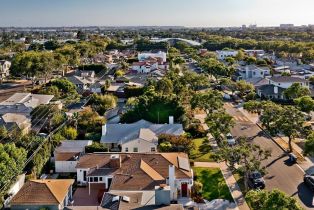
x=214, y=185
x=202, y=151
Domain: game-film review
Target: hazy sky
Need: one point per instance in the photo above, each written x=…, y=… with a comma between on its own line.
x=155, y=12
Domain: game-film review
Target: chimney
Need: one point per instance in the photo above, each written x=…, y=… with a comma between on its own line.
x=275, y=89
x=104, y=129
x=171, y=182
x=171, y=120
x=115, y=161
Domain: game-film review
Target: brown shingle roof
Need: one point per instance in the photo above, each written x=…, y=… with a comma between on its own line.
x=138, y=171
x=150, y=171
x=47, y=191
x=66, y=156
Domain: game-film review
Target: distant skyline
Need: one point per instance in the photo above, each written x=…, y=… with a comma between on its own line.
x=189, y=13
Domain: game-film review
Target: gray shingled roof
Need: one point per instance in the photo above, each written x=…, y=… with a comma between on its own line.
x=287, y=79
x=117, y=133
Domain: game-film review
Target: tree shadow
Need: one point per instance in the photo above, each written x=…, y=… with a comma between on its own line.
x=275, y=160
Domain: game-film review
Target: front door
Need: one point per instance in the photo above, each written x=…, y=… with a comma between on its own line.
x=184, y=190
x=109, y=182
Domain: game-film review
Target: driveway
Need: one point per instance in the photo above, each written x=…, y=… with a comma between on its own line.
x=280, y=174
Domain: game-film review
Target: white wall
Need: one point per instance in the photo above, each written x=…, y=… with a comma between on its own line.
x=287, y=84
x=65, y=166
x=79, y=173
x=142, y=145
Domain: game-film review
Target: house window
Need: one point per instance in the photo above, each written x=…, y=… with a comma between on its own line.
x=100, y=179
x=135, y=149
x=153, y=149
x=95, y=179
x=91, y=179
x=126, y=149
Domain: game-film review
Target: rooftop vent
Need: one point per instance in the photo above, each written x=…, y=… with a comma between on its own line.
x=126, y=199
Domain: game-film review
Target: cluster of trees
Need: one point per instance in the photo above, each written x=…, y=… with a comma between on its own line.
x=102, y=103
x=243, y=158
x=172, y=143
x=274, y=199
x=12, y=164
x=60, y=88
x=287, y=120
x=282, y=48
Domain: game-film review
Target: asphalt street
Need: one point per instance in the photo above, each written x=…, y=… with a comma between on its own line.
x=280, y=173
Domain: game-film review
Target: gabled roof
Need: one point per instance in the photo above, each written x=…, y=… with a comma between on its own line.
x=150, y=171
x=121, y=133
x=28, y=99
x=43, y=192
x=138, y=171
x=287, y=79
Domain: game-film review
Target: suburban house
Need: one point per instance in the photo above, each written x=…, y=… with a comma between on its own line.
x=251, y=71
x=82, y=83
x=4, y=69
x=12, y=120
x=141, y=136
x=270, y=91
x=137, y=172
x=23, y=103
x=53, y=194
x=277, y=85
x=102, y=58
x=66, y=155
x=255, y=53
x=287, y=81
x=222, y=54
x=145, y=56
x=149, y=64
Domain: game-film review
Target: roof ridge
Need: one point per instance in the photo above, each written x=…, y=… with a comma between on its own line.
x=152, y=173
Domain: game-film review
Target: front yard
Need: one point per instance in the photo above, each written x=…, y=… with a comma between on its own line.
x=202, y=151
x=214, y=185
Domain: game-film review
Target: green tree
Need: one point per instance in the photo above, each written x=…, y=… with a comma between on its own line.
x=290, y=123
x=69, y=133
x=305, y=103
x=165, y=86
x=244, y=87
x=102, y=103
x=309, y=145
x=219, y=123
x=270, y=116
x=208, y=101
x=243, y=158
x=12, y=161
x=275, y=199
x=296, y=90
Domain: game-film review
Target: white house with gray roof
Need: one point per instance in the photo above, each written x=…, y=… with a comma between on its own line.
x=141, y=136
x=23, y=103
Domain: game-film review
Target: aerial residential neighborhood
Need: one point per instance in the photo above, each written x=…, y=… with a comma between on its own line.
x=173, y=106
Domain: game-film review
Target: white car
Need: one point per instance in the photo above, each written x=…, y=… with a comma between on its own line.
x=230, y=139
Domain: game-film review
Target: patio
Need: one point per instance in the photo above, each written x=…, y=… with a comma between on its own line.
x=83, y=198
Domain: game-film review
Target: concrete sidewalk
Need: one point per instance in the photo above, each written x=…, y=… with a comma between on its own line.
x=230, y=181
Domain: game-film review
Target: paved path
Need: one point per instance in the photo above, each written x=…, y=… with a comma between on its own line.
x=230, y=181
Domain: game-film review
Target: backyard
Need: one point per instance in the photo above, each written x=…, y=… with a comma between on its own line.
x=214, y=185
x=202, y=151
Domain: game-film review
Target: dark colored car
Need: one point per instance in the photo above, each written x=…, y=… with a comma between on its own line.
x=256, y=180
x=309, y=181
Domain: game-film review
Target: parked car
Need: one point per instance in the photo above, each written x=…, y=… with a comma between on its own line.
x=230, y=139
x=309, y=181
x=256, y=180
